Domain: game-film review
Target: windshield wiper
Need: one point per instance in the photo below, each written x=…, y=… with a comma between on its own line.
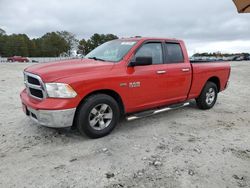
x=96, y=58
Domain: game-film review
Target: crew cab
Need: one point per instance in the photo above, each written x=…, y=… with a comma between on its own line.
x=133, y=77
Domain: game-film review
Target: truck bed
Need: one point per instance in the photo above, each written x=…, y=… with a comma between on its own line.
x=204, y=70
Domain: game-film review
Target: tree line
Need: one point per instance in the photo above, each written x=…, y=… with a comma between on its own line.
x=51, y=44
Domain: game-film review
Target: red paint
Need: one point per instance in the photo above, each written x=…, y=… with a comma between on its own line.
x=86, y=76
x=18, y=59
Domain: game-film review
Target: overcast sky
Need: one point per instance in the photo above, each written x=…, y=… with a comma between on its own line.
x=205, y=25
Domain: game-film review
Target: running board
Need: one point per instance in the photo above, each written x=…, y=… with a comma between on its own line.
x=153, y=112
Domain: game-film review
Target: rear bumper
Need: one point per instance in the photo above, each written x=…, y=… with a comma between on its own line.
x=54, y=113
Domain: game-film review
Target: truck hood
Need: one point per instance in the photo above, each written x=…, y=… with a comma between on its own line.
x=50, y=72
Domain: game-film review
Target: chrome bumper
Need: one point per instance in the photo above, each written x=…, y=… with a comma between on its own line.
x=52, y=118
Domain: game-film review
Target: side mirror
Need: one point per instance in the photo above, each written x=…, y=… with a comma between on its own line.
x=141, y=61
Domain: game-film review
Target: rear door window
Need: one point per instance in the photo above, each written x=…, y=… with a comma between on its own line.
x=173, y=53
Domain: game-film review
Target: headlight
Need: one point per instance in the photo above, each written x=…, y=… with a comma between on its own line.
x=60, y=90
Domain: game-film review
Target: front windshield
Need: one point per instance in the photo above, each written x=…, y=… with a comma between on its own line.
x=111, y=51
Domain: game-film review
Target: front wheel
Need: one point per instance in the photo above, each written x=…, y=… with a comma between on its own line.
x=97, y=116
x=208, y=96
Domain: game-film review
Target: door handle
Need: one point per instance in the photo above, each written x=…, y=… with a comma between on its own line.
x=185, y=70
x=161, y=72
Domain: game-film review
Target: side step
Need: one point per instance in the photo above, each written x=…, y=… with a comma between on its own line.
x=157, y=111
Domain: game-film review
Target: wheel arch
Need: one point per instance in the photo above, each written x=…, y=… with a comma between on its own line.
x=109, y=92
x=216, y=81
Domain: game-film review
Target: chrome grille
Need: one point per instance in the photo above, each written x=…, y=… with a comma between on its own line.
x=34, y=85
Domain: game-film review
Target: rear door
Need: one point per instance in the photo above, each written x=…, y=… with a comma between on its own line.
x=177, y=80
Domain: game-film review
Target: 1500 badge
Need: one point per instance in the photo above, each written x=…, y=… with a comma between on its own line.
x=131, y=84
x=134, y=84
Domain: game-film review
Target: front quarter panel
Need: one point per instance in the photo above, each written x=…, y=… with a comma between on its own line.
x=97, y=81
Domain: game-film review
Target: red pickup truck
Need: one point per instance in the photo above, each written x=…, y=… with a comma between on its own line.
x=135, y=77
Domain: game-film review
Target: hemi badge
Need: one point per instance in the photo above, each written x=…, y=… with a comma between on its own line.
x=123, y=84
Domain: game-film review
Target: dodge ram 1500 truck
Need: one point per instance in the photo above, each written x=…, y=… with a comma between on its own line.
x=133, y=77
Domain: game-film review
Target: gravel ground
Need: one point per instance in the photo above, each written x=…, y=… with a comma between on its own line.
x=187, y=147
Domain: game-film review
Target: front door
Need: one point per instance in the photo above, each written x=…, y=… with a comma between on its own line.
x=145, y=84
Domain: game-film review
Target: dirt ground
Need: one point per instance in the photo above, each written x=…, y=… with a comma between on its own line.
x=184, y=148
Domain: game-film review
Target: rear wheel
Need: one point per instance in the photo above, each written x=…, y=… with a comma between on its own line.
x=97, y=116
x=208, y=96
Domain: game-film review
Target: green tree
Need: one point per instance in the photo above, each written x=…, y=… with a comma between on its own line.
x=11, y=45
x=52, y=45
x=94, y=41
x=10, y=48
x=22, y=41
x=70, y=38
x=2, y=44
x=33, y=49
x=49, y=45
x=2, y=32
x=2, y=41
x=85, y=46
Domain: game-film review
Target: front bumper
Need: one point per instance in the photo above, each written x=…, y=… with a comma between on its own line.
x=54, y=113
x=51, y=118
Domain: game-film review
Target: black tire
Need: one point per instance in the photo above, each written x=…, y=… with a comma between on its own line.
x=84, y=114
x=204, y=102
